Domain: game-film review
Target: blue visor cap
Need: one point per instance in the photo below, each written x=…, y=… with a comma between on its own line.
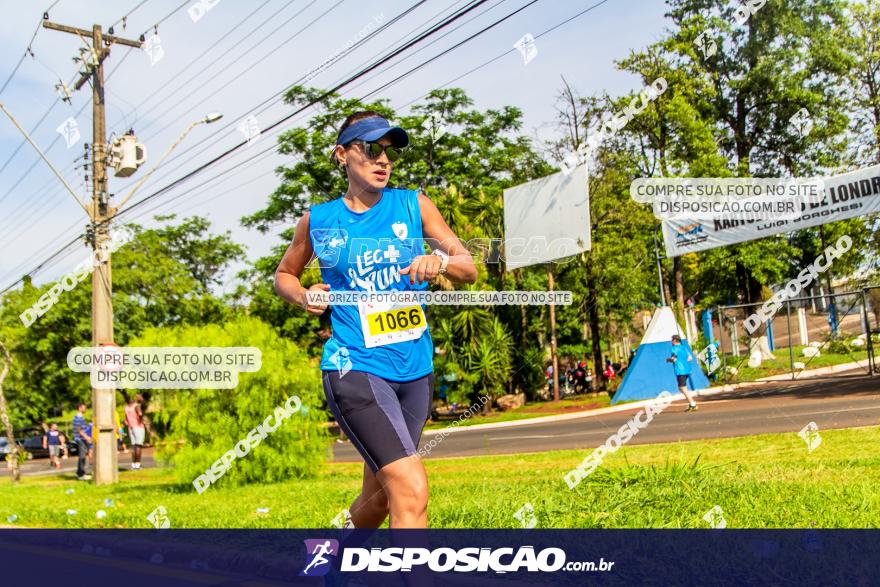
x=373, y=129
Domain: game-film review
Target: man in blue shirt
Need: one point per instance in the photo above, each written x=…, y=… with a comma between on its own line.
x=82, y=442
x=681, y=360
x=54, y=440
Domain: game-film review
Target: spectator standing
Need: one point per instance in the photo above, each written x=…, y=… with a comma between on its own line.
x=53, y=440
x=134, y=421
x=82, y=441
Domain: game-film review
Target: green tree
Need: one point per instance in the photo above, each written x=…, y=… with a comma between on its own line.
x=162, y=276
x=617, y=272
x=783, y=59
x=206, y=423
x=12, y=455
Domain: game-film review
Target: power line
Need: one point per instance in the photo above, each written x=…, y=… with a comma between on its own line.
x=434, y=41
x=379, y=62
x=166, y=84
x=341, y=84
x=399, y=78
x=247, y=52
x=446, y=22
x=52, y=106
x=27, y=212
x=43, y=263
x=454, y=47
x=259, y=108
x=362, y=73
x=500, y=55
x=119, y=63
x=274, y=98
x=155, y=25
x=124, y=17
x=28, y=48
x=180, y=180
x=27, y=172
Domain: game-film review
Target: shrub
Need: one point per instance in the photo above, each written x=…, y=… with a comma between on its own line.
x=211, y=421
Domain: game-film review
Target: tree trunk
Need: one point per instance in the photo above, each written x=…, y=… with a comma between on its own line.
x=678, y=278
x=517, y=275
x=593, y=313
x=4, y=416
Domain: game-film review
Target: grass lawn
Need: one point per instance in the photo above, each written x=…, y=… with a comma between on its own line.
x=782, y=363
x=759, y=481
x=532, y=410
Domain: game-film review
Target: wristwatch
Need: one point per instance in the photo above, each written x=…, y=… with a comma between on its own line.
x=444, y=260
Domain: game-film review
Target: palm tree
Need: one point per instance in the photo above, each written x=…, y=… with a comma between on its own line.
x=450, y=203
x=488, y=359
x=470, y=322
x=486, y=212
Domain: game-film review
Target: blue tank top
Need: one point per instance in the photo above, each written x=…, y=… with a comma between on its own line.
x=54, y=437
x=364, y=251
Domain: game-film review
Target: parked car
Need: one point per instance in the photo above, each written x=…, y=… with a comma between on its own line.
x=34, y=446
x=4, y=446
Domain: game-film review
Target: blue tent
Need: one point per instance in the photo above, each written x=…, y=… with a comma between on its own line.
x=649, y=373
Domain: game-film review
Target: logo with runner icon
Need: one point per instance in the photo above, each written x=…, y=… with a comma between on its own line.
x=318, y=551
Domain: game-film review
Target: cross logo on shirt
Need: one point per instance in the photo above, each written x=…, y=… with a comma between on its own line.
x=391, y=253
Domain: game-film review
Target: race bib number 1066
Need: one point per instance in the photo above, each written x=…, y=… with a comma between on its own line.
x=387, y=323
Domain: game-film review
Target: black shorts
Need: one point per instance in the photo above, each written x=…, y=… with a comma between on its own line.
x=383, y=419
x=682, y=380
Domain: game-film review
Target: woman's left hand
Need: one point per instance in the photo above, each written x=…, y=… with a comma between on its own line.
x=423, y=268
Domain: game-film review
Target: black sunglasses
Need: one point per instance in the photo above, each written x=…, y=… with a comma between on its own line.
x=374, y=150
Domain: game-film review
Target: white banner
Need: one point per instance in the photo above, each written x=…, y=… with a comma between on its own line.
x=551, y=215
x=846, y=196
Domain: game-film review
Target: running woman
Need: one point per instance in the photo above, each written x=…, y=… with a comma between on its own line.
x=682, y=369
x=378, y=364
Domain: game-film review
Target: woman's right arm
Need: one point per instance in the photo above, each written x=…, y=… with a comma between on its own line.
x=297, y=256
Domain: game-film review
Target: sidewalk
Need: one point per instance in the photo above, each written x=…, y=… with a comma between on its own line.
x=40, y=467
x=640, y=404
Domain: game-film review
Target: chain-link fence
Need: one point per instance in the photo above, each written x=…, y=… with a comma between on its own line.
x=810, y=336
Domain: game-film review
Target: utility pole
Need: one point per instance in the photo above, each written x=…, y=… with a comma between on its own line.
x=100, y=213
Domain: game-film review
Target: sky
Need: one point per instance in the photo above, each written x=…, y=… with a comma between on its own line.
x=232, y=56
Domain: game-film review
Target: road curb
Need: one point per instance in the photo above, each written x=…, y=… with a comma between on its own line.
x=640, y=404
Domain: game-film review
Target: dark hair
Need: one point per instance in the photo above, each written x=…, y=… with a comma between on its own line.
x=351, y=119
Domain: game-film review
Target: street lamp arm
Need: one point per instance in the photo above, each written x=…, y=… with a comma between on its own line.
x=49, y=163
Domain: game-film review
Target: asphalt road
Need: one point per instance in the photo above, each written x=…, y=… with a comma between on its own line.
x=40, y=467
x=845, y=401
x=839, y=402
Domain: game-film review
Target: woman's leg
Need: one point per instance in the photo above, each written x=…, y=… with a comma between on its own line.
x=370, y=508
x=405, y=480
x=406, y=485
x=384, y=421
